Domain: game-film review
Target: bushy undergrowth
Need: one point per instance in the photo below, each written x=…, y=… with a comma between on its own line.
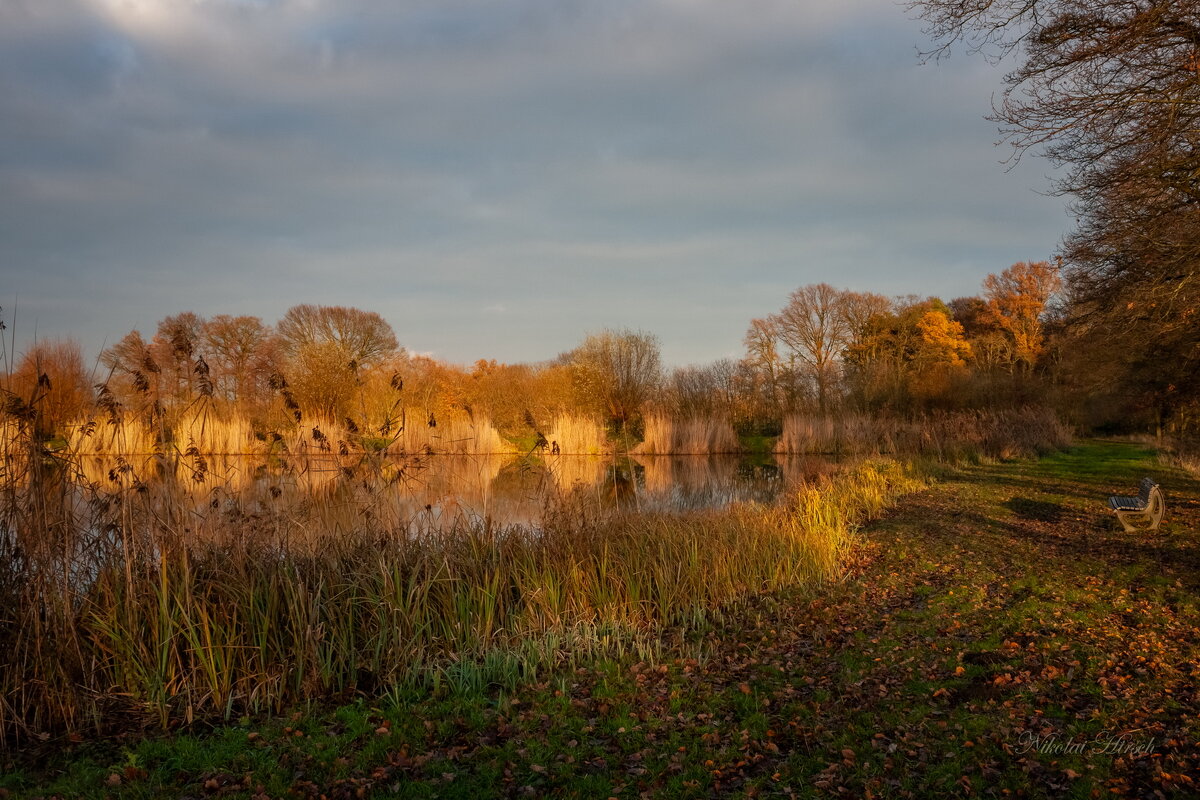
x=1183, y=453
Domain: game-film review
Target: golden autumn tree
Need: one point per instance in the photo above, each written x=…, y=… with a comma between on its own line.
x=940, y=356
x=52, y=382
x=1016, y=302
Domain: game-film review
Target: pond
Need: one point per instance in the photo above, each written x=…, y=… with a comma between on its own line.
x=436, y=490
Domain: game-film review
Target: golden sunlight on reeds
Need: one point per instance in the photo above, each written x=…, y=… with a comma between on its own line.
x=577, y=435
x=145, y=572
x=134, y=598
x=201, y=431
x=1008, y=433
x=453, y=435
x=688, y=436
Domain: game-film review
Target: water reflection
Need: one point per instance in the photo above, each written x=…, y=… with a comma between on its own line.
x=434, y=490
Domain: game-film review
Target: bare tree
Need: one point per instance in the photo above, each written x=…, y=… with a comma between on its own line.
x=619, y=369
x=1107, y=88
x=175, y=346
x=702, y=391
x=52, y=381
x=235, y=345
x=762, y=353
x=132, y=367
x=814, y=326
x=363, y=336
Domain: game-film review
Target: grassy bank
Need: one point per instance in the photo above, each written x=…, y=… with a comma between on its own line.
x=998, y=634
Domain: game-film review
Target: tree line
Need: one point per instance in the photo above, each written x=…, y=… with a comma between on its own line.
x=825, y=352
x=1109, y=91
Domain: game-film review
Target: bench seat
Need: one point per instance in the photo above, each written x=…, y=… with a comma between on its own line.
x=1147, y=507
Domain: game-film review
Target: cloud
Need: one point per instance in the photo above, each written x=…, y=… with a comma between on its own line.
x=631, y=162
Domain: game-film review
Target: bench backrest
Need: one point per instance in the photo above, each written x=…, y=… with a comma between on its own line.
x=1148, y=485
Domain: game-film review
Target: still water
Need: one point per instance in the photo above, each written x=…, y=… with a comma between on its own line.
x=439, y=489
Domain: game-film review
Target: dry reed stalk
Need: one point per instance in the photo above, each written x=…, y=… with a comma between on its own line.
x=120, y=436
x=848, y=434
x=949, y=436
x=144, y=595
x=576, y=435
x=182, y=609
x=689, y=436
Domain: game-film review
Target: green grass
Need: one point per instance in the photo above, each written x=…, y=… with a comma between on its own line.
x=756, y=445
x=988, y=623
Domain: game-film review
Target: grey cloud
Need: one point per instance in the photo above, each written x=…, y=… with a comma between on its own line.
x=579, y=163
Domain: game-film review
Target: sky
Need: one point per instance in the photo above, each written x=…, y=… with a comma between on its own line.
x=496, y=178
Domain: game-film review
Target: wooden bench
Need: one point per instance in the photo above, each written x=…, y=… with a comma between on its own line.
x=1146, y=506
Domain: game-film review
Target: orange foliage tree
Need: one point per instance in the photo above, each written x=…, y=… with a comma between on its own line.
x=51, y=382
x=1016, y=302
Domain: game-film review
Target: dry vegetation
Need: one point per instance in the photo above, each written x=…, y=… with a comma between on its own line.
x=688, y=436
x=149, y=574
x=1000, y=434
x=126, y=599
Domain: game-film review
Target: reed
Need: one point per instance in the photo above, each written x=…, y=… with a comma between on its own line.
x=199, y=429
x=1178, y=452
x=577, y=435
x=687, y=436
x=949, y=436
x=457, y=435
x=154, y=600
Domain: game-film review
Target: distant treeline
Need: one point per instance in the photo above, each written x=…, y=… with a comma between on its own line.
x=329, y=376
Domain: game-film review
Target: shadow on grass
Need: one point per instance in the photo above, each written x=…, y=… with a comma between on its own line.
x=1038, y=510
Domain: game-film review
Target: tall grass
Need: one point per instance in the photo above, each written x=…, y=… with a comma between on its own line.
x=174, y=585
x=198, y=429
x=687, y=436
x=1179, y=452
x=952, y=436
x=126, y=598
x=457, y=436
x=577, y=435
